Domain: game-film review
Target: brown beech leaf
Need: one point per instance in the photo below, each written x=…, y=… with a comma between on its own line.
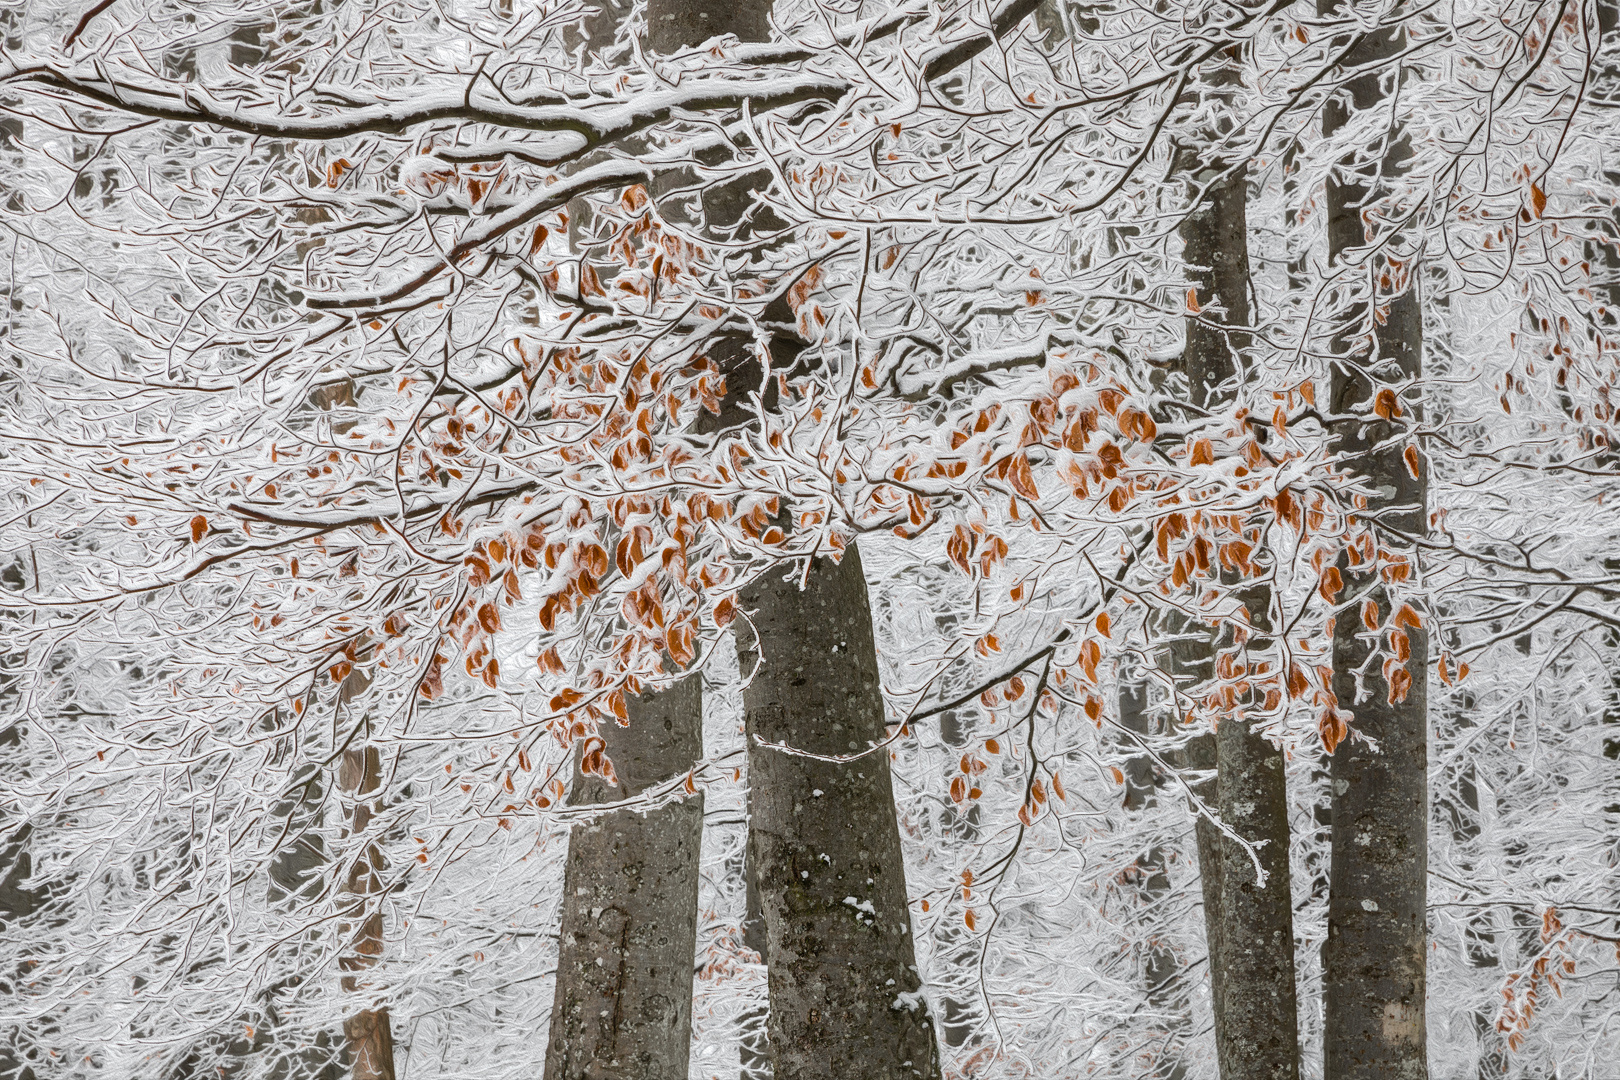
x=1400, y=681
x=1332, y=582
x=1332, y=728
x=199, y=528
x=1021, y=479
x=1407, y=616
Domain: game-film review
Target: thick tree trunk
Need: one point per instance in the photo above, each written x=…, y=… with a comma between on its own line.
x=824, y=840
x=1260, y=1020
x=1250, y=927
x=623, y=1005
x=1374, y=958
x=622, y=1008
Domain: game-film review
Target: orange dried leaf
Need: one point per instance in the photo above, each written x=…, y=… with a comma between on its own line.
x=1021, y=479
x=1332, y=728
x=1400, y=681
x=1369, y=614
x=1332, y=582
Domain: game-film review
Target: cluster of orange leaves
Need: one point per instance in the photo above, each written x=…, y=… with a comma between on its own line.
x=1523, y=991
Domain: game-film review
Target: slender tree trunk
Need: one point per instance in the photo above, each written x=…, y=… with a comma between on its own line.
x=17, y=902
x=367, y=1033
x=1374, y=958
x=1159, y=965
x=1604, y=258
x=825, y=842
x=1189, y=660
x=371, y=1040
x=623, y=1006
x=1252, y=943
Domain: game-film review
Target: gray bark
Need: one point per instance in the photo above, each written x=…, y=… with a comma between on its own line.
x=1251, y=927
x=623, y=1005
x=1374, y=958
x=368, y=1032
x=1189, y=659
x=17, y=901
x=824, y=842
x=1159, y=965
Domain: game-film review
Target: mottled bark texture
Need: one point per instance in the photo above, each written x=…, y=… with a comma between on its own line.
x=1252, y=928
x=1260, y=1021
x=1373, y=959
x=824, y=842
x=623, y=1004
x=622, y=1008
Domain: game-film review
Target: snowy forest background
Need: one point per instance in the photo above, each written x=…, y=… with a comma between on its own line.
x=390, y=391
